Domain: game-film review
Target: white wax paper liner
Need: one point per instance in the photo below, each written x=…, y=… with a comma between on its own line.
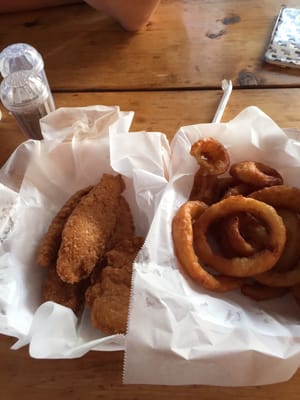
x=80, y=145
x=188, y=335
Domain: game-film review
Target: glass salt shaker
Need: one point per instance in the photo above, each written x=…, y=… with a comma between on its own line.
x=24, y=90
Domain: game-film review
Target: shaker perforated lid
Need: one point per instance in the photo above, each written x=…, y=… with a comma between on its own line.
x=20, y=57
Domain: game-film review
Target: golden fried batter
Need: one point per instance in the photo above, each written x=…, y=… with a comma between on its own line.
x=92, y=293
x=49, y=245
x=91, y=241
x=108, y=297
x=87, y=230
x=109, y=313
x=124, y=252
x=114, y=281
x=66, y=294
x=124, y=227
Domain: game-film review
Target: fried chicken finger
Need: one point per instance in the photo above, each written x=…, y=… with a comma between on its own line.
x=49, y=245
x=88, y=229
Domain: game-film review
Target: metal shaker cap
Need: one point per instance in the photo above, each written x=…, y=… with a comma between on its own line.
x=20, y=57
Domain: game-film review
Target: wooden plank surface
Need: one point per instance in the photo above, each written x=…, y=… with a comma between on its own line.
x=188, y=44
x=167, y=111
x=98, y=375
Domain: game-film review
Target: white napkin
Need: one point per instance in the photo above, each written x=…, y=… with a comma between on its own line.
x=185, y=334
x=80, y=145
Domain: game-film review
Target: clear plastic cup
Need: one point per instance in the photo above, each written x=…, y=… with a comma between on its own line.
x=24, y=90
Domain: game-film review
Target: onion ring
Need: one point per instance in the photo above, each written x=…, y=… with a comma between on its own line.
x=282, y=197
x=237, y=243
x=243, y=235
x=291, y=251
x=253, y=231
x=225, y=183
x=240, y=266
x=211, y=156
x=261, y=292
x=246, y=232
x=182, y=233
x=280, y=279
x=225, y=248
x=229, y=186
x=204, y=188
x=241, y=188
x=256, y=174
x=222, y=242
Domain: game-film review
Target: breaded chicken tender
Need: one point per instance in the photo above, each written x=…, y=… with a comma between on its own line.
x=108, y=296
x=118, y=267
x=124, y=227
x=88, y=229
x=111, y=280
x=109, y=313
x=66, y=294
x=109, y=300
x=124, y=253
x=49, y=245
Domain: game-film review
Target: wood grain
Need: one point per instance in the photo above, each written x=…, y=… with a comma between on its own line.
x=98, y=375
x=188, y=44
x=170, y=74
x=169, y=110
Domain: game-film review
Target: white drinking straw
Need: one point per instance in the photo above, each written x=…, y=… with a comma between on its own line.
x=227, y=89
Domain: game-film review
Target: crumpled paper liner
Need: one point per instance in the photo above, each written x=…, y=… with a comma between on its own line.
x=186, y=334
x=80, y=145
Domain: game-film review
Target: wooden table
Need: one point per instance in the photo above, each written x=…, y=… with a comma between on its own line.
x=170, y=74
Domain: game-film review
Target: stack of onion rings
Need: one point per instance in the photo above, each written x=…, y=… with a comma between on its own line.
x=240, y=266
x=182, y=232
x=245, y=226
